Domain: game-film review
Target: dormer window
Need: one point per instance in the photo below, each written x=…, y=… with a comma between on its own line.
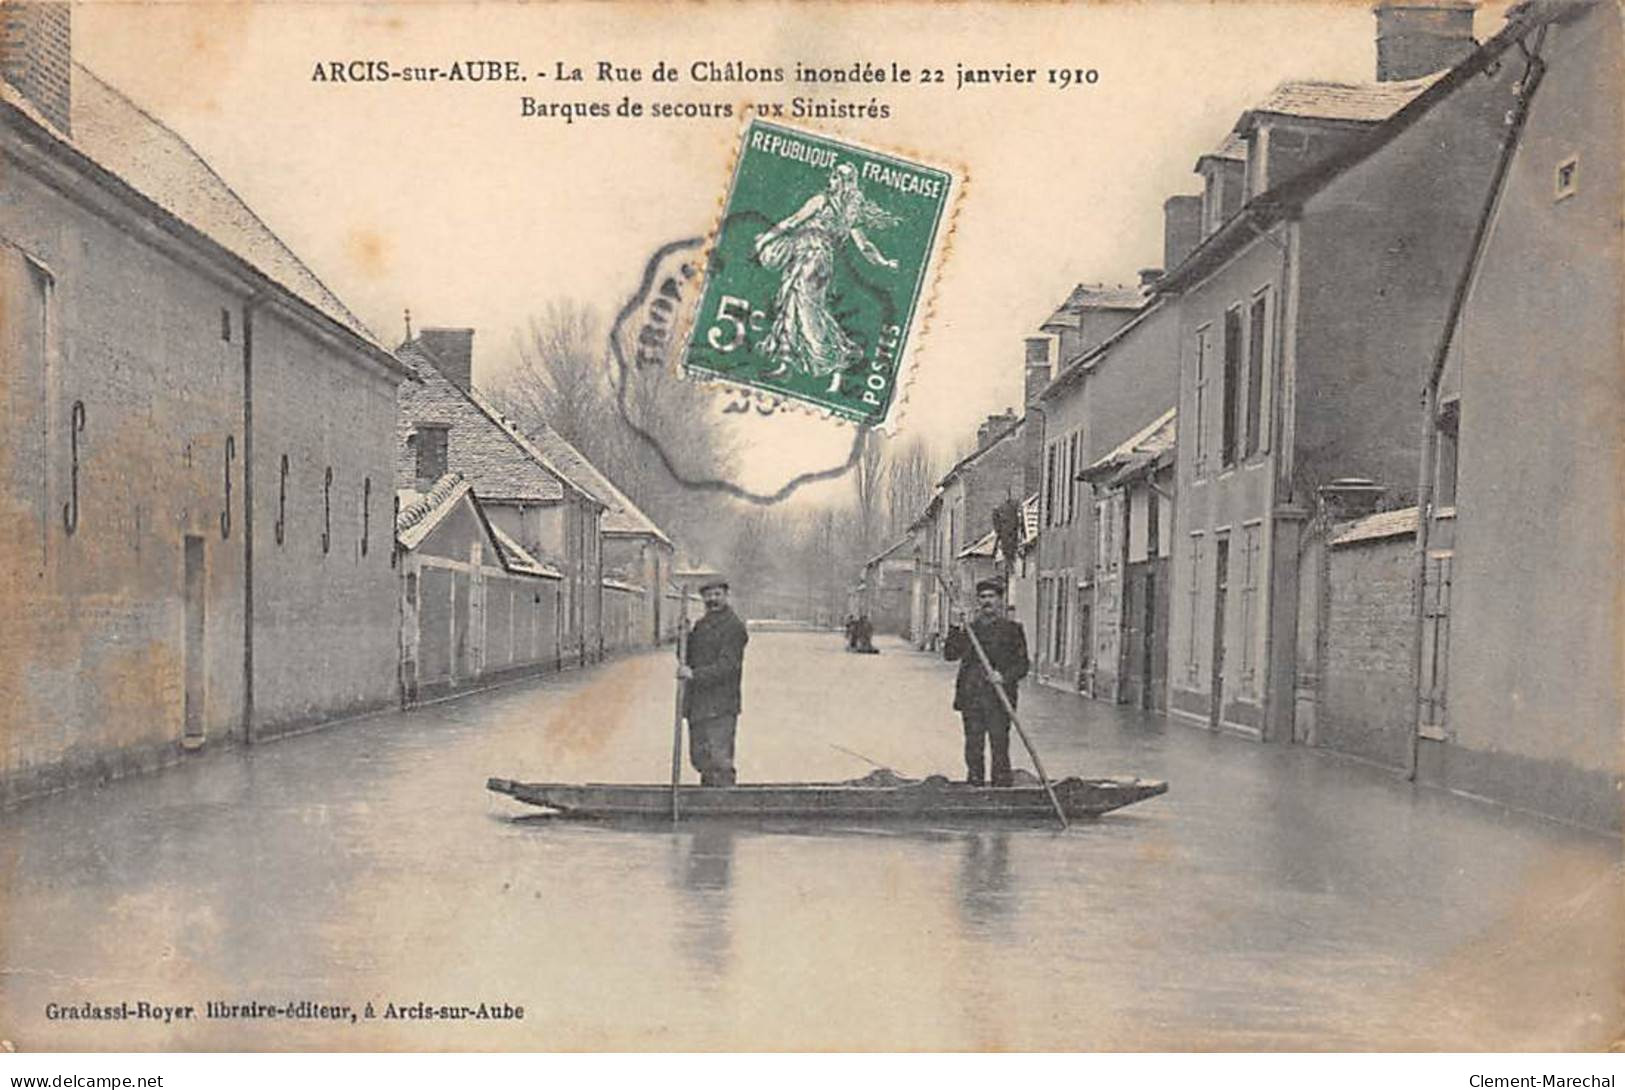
x=1568, y=178
x=430, y=443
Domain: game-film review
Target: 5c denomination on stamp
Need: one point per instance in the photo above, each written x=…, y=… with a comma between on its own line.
x=814, y=282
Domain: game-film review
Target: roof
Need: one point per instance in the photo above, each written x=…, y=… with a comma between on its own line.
x=497, y=482
x=1145, y=448
x=1084, y=362
x=516, y=558
x=1383, y=524
x=896, y=546
x=621, y=515
x=149, y=158
x=620, y=584
x=1233, y=148
x=1324, y=100
x=1095, y=297
x=968, y=460
x=986, y=545
x=1270, y=207
x=421, y=512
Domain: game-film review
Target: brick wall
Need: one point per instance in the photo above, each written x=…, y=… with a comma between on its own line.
x=36, y=41
x=1365, y=704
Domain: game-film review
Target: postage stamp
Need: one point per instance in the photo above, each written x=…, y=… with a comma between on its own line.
x=814, y=284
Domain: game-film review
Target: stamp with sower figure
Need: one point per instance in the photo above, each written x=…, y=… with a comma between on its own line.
x=815, y=279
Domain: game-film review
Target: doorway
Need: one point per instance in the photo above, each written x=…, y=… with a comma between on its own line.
x=195, y=586
x=1221, y=588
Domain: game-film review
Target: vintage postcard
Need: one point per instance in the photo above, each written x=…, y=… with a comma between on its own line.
x=585, y=527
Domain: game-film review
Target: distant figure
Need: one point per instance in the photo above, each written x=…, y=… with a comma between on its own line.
x=863, y=636
x=851, y=632
x=716, y=664
x=987, y=724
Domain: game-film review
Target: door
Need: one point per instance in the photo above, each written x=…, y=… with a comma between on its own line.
x=1148, y=639
x=195, y=585
x=1221, y=588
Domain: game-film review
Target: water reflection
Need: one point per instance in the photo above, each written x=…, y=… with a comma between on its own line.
x=985, y=892
x=703, y=879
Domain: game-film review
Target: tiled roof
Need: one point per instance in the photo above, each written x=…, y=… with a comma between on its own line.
x=970, y=459
x=143, y=153
x=1234, y=148
x=1372, y=527
x=886, y=553
x=1095, y=297
x=515, y=558
x=1324, y=100
x=621, y=515
x=421, y=512
x=485, y=447
x=1141, y=449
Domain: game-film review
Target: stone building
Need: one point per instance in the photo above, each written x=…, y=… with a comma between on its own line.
x=1520, y=625
x=1306, y=315
x=196, y=484
x=445, y=426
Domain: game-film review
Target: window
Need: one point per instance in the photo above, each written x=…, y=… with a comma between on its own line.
x=1203, y=340
x=1231, y=380
x=1049, y=485
x=225, y=324
x=1074, y=446
x=1063, y=586
x=1194, y=590
x=431, y=443
x=1449, y=425
x=366, y=512
x=1257, y=339
x=1153, y=519
x=1249, y=597
x=1568, y=178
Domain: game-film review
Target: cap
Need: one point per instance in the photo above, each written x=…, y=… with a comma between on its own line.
x=714, y=581
x=995, y=584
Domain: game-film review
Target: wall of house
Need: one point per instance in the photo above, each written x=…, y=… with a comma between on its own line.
x=1536, y=609
x=1064, y=555
x=1382, y=248
x=626, y=619
x=1365, y=705
x=464, y=618
x=1224, y=503
x=93, y=658
x=325, y=623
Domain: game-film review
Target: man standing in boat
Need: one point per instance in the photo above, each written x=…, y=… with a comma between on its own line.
x=716, y=662
x=987, y=724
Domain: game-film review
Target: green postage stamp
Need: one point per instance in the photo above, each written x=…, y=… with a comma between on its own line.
x=816, y=276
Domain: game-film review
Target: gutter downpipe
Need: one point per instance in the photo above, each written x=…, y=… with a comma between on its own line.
x=1534, y=71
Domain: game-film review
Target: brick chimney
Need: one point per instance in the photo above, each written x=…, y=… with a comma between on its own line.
x=1039, y=367
x=1181, y=229
x=453, y=349
x=1350, y=497
x=36, y=56
x=993, y=427
x=1418, y=37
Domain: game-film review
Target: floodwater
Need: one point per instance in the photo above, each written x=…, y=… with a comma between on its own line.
x=1275, y=898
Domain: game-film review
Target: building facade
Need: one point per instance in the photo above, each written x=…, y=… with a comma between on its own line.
x=198, y=458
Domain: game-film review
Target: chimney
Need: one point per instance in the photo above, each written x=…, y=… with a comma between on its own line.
x=1418, y=37
x=453, y=349
x=36, y=56
x=1182, y=229
x=1039, y=370
x=993, y=427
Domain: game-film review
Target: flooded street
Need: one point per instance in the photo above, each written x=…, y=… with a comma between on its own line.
x=1275, y=898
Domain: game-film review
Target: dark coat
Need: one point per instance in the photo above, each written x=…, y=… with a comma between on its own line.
x=716, y=653
x=1006, y=645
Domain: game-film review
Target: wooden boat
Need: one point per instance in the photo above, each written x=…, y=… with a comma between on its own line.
x=879, y=795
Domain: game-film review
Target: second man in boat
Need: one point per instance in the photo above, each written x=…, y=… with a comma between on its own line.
x=715, y=665
x=987, y=722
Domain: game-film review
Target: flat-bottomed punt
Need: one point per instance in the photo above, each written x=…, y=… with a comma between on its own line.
x=876, y=796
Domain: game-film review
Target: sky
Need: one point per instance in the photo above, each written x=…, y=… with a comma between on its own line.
x=442, y=198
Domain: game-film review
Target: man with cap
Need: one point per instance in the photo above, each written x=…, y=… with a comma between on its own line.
x=987, y=724
x=716, y=661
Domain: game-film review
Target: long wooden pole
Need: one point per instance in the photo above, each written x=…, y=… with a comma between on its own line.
x=1009, y=709
x=682, y=691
